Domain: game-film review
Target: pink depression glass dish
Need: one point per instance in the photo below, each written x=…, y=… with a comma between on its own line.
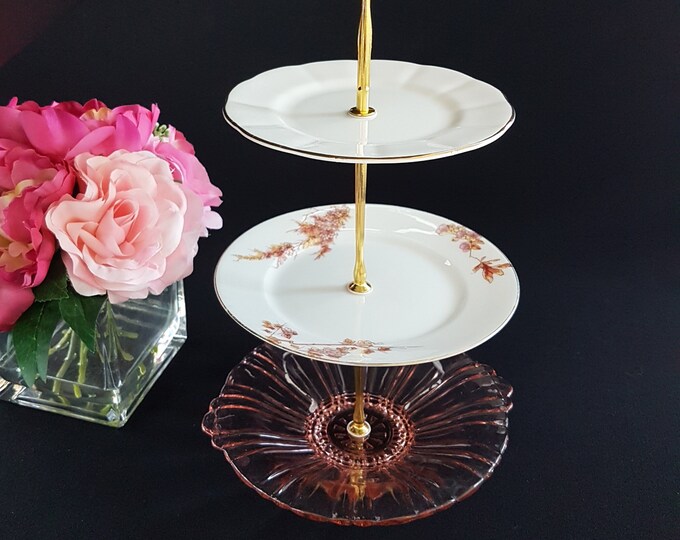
x=438, y=432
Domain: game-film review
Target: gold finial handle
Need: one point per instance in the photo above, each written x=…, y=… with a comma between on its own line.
x=364, y=46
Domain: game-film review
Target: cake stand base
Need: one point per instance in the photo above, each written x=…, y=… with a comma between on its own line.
x=438, y=431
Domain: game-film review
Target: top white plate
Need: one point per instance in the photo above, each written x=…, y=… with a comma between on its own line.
x=439, y=289
x=423, y=112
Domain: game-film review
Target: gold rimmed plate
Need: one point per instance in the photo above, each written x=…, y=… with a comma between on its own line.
x=439, y=288
x=422, y=112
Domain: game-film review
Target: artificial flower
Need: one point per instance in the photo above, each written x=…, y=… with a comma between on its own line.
x=131, y=230
x=170, y=144
x=29, y=184
x=15, y=300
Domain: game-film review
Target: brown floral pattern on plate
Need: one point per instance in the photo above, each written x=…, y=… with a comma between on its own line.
x=320, y=229
x=280, y=334
x=469, y=242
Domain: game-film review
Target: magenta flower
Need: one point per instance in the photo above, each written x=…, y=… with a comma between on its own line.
x=128, y=127
x=15, y=300
x=11, y=132
x=172, y=146
x=29, y=184
x=63, y=130
x=52, y=131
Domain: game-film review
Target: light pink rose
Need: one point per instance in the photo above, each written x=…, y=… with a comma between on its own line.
x=29, y=184
x=132, y=230
x=15, y=300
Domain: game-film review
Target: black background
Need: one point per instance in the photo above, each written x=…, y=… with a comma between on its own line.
x=581, y=194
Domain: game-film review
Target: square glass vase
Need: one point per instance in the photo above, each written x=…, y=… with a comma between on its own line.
x=135, y=342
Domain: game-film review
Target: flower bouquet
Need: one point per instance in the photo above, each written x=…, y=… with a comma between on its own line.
x=100, y=215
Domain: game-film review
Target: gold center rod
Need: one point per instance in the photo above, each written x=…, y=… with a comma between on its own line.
x=358, y=429
x=359, y=285
x=364, y=46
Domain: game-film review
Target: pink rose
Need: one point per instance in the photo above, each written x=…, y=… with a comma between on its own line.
x=29, y=184
x=179, y=153
x=63, y=130
x=128, y=127
x=11, y=132
x=15, y=300
x=52, y=131
x=132, y=230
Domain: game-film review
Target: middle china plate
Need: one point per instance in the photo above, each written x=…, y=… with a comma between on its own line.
x=439, y=289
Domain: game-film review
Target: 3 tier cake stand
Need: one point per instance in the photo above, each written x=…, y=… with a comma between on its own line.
x=361, y=407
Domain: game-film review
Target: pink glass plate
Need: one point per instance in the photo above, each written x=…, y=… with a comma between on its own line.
x=438, y=431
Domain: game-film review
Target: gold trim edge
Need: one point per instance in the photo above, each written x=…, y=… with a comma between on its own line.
x=411, y=158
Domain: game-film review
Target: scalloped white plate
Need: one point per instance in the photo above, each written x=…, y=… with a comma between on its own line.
x=423, y=112
x=439, y=289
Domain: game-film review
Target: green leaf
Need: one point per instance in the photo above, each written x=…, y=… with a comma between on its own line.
x=80, y=313
x=31, y=336
x=92, y=305
x=54, y=285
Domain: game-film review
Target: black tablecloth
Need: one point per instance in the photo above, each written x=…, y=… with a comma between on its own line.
x=581, y=194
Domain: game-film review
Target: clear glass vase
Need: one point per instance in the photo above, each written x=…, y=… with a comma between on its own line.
x=135, y=342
